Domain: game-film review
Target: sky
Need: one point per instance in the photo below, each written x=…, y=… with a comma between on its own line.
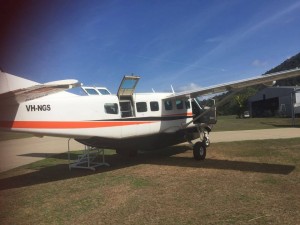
x=187, y=44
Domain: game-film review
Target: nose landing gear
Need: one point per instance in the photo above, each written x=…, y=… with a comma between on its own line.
x=199, y=148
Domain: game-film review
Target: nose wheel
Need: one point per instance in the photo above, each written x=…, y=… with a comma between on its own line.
x=199, y=150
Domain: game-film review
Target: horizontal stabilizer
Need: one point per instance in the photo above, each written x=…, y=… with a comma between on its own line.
x=30, y=90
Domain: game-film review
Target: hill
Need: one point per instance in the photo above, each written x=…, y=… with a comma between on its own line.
x=290, y=63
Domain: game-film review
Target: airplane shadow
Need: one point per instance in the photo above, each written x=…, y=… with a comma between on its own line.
x=163, y=157
x=280, y=125
x=41, y=155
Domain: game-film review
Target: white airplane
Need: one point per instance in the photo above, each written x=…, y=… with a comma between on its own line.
x=126, y=122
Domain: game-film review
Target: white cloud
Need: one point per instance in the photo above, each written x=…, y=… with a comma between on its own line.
x=188, y=87
x=288, y=57
x=259, y=63
x=214, y=39
x=275, y=17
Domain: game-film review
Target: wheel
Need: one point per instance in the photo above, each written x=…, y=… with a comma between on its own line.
x=199, y=151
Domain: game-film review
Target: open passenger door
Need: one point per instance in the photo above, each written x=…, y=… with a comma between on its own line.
x=125, y=92
x=127, y=86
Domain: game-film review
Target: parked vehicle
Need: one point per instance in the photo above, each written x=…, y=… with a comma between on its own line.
x=246, y=114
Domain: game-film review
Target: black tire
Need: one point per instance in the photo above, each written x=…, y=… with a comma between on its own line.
x=199, y=151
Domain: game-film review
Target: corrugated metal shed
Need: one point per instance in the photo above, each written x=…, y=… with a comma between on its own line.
x=275, y=101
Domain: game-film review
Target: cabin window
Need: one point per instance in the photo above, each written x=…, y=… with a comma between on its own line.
x=154, y=106
x=141, y=107
x=179, y=104
x=168, y=105
x=111, y=108
x=187, y=104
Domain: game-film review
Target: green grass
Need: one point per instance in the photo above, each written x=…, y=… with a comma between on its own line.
x=231, y=123
x=251, y=182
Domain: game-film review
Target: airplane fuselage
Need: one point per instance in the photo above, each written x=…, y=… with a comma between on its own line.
x=142, y=121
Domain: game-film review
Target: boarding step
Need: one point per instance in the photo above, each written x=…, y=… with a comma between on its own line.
x=91, y=158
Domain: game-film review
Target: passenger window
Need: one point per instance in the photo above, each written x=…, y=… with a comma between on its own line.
x=168, y=105
x=154, y=106
x=187, y=104
x=179, y=104
x=111, y=108
x=141, y=107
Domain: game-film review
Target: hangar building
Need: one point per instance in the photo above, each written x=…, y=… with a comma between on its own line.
x=275, y=101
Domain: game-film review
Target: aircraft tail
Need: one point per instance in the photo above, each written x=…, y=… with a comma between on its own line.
x=9, y=82
x=14, y=89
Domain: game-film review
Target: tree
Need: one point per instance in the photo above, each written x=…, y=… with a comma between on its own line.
x=241, y=100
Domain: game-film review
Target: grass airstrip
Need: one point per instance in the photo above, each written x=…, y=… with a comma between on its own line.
x=249, y=182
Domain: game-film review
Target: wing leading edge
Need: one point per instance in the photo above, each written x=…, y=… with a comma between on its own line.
x=235, y=85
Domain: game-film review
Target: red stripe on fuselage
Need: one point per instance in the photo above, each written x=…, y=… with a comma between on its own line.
x=68, y=124
x=180, y=114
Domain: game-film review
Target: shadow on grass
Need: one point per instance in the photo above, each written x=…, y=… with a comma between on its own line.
x=43, y=155
x=163, y=157
x=280, y=125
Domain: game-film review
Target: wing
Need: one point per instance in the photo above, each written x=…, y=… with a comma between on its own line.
x=35, y=90
x=264, y=79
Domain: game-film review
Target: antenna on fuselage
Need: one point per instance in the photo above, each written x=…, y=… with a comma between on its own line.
x=172, y=89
